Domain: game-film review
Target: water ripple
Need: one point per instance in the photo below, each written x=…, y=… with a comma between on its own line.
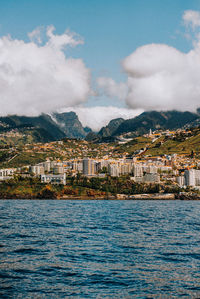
x=99, y=249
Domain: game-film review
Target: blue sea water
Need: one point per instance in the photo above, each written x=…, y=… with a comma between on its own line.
x=99, y=249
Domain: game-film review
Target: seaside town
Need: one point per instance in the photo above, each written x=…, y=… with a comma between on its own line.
x=78, y=158
x=99, y=149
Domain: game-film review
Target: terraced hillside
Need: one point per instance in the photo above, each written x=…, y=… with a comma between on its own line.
x=179, y=143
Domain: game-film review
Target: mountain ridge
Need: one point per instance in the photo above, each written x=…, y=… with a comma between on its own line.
x=142, y=124
x=44, y=128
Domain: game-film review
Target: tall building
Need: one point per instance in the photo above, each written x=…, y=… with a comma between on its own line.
x=138, y=170
x=58, y=170
x=113, y=169
x=180, y=180
x=47, y=166
x=152, y=169
x=88, y=166
x=37, y=169
x=125, y=168
x=192, y=177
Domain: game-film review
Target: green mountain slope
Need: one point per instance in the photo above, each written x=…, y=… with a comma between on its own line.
x=155, y=120
x=164, y=145
x=43, y=125
x=111, y=127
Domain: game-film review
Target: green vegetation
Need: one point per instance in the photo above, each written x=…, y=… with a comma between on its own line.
x=79, y=186
x=121, y=185
x=142, y=123
x=23, y=158
x=179, y=143
x=133, y=145
x=22, y=187
x=172, y=145
x=22, y=136
x=4, y=155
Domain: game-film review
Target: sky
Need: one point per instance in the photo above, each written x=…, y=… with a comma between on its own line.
x=102, y=59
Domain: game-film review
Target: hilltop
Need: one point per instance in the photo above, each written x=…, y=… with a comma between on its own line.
x=43, y=128
x=23, y=130
x=141, y=124
x=180, y=141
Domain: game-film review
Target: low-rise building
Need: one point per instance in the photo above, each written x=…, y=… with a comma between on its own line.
x=151, y=178
x=54, y=179
x=6, y=173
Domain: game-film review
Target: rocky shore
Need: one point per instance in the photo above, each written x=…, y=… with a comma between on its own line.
x=160, y=196
x=153, y=196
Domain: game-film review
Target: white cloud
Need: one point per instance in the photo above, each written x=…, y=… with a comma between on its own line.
x=97, y=117
x=111, y=88
x=192, y=18
x=35, y=35
x=37, y=78
x=161, y=77
x=59, y=41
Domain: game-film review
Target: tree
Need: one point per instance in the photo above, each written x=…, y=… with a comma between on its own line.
x=104, y=170
x=47, y=193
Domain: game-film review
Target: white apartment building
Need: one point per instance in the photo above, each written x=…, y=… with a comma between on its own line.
x=138, y=170
x=152, y=169
x=89, y=167
x=37, y=169
x=113, y=169
x=47, y=166
x=180, y=180
x=6, y=173
x=58, y=170
x=77, y=165
x=54, y=179
x=192, y=177
x=151, y=178
x=125, y=168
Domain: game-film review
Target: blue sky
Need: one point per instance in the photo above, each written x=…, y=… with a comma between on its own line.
x=111, y=29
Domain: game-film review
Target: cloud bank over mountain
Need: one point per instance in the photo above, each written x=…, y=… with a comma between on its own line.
x=99, y=116
x=37, y=76
x=162, y=77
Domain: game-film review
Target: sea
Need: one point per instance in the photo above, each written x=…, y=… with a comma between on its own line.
x=99, y=249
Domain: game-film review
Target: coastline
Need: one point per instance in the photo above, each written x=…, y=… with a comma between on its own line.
x=153, y=196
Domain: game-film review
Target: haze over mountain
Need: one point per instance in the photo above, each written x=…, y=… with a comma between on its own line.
x=141, y=124
x=155, y=120
x=46, y=128
x=43, y=71
x=69, y=123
